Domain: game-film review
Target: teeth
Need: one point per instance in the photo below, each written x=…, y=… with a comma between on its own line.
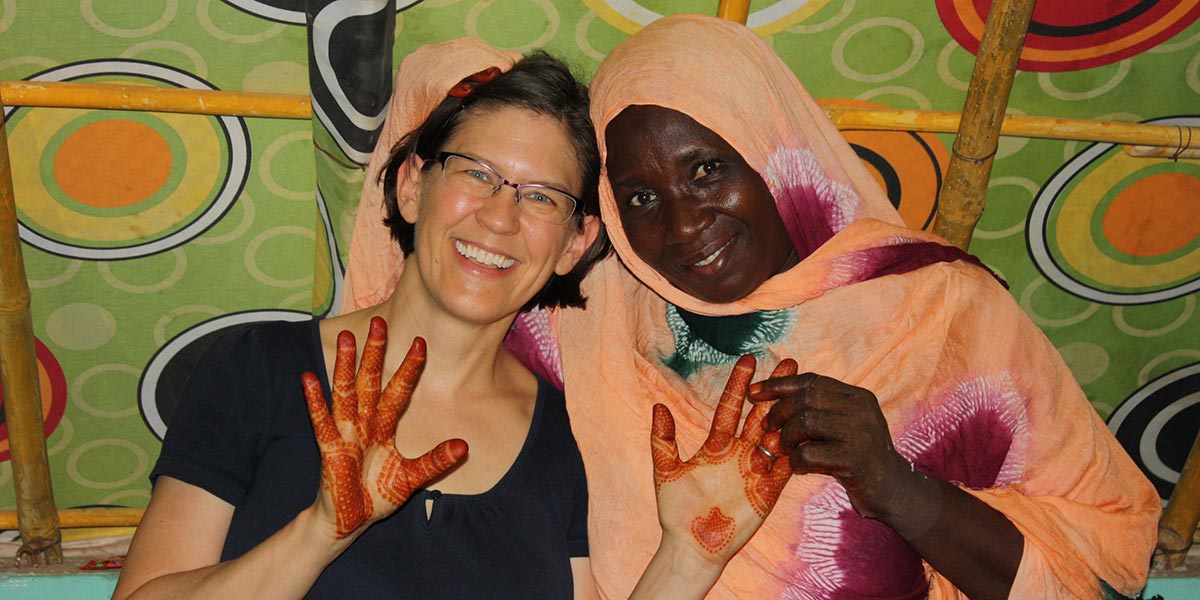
x=483, y=257
x=711, y=257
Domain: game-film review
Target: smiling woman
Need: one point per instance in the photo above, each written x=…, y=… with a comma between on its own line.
x=523, y=114
x=927, y=423
x=485, y=256
x=279, y=496
x=691, y=206
x=264, y=472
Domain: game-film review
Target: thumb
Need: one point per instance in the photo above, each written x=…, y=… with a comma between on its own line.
x=440, y=459
x=663, y=448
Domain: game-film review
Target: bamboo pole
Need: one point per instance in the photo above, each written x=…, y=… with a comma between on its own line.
x=119, y=96
x=1180, y=517
x=1171, y=152
x=85, y=517
x=734, y=10
x=1166, y=139
x=37, y=519
x=965, y=187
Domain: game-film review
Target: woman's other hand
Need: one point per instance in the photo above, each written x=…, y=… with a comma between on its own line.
x=836, y=429
x=713, y=503
x=363, y=477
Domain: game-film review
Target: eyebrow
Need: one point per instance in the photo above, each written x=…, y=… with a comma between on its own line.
x=689, y=156
x=628, y=182
x=562, y=187
x=685, y=157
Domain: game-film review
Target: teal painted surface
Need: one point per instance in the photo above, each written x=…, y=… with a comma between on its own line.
x=81, y=586
x=99, y=586
x=1173, y=588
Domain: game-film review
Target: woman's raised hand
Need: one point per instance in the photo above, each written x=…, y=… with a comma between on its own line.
x=714, y=502
x=829, y=427
x=363, y=477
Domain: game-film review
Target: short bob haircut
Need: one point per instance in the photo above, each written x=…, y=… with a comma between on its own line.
x=544, y=85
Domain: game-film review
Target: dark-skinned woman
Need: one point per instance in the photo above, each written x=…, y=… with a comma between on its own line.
x=264, y=492
x=942, y=447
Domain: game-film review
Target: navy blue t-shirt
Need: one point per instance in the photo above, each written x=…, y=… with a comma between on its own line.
x=242, y=433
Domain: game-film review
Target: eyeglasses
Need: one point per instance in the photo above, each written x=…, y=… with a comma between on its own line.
x=476, y=179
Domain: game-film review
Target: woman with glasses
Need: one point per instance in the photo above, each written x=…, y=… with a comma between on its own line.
x=265, y=491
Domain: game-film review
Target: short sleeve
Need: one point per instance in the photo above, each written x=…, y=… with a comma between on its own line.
x=213, y=438
x=577, y=538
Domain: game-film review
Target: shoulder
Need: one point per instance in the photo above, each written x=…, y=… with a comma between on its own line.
x=270, y=334
x=551, y=401
x=250, y=357
x=949, y=287
x=260, y=342
x=553, y=422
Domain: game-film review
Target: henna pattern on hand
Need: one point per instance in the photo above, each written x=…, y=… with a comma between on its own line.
x=714, y=531
x=664, y=451
x=763, y=482
x=722, y=494
x=363, y=476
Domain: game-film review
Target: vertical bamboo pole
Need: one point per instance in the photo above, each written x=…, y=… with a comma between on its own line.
x=36, y=515
x=734, y=10
x=1179, y=519
x=965, y=188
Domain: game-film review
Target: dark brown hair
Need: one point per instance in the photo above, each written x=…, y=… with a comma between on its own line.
x=544, y=85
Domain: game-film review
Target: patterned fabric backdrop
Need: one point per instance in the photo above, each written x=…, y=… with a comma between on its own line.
x=146, y=233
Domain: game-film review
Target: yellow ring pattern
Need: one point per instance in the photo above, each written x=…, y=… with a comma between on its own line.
x=201, y=145
x=1073, y=231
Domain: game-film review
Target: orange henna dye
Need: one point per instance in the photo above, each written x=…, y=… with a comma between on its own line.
x=714, y=531
x=362, y=473
x=729, y=408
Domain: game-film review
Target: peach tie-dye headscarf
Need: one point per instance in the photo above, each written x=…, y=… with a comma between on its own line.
x=820, y=186
x=972, y=391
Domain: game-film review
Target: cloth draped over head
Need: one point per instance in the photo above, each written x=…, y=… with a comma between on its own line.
x=422, y=82
x=375, y=262
x=972, y=391
x=752, y=100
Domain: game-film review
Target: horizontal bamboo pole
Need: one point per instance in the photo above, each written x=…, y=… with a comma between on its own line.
x=120, y=96
x=85, y=517
x=292, y=106
x=1164, y=151
x=1169, y=137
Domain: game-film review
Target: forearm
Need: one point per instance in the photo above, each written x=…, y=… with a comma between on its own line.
x=676, y=573
x=969, y=543
x=283, y=567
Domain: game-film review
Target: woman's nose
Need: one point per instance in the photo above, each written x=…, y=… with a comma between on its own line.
x=684, y=218
x=500, y=213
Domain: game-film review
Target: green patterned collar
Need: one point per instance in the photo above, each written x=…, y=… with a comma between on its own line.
x=702, y=340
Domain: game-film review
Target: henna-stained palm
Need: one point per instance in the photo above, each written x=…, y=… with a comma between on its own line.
x=363, y=477
x=716, y=500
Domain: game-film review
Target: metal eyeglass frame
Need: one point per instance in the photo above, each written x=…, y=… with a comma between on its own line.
x=442, y=157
